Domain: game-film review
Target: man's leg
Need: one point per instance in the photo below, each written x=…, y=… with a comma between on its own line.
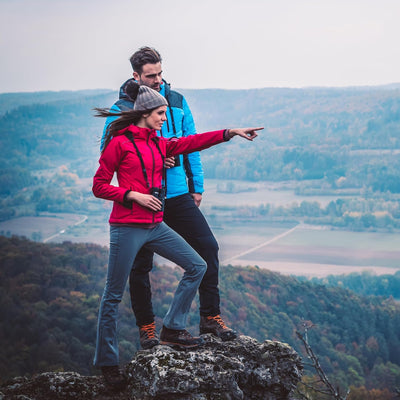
x=184, y=217
x=140, y=290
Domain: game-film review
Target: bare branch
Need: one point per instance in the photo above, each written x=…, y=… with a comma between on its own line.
x=330, y=390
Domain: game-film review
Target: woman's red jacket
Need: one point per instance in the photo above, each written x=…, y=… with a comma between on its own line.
x=121, y=157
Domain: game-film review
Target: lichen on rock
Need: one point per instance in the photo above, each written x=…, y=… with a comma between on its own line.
x=241, y=369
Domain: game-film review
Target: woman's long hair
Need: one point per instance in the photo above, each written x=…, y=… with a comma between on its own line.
x=125, y=118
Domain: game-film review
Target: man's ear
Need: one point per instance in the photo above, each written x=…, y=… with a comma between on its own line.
x=136, y=76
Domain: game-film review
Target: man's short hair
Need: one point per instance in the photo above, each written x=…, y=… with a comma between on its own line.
x=145, y=55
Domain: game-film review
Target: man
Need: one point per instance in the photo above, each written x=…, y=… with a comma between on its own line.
x=184, y=182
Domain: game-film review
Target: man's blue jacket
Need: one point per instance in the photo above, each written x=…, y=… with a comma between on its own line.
x=188, y=176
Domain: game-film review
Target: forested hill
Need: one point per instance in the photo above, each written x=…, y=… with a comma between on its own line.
x=11, y=101
x=336, y=134
x=49, y=298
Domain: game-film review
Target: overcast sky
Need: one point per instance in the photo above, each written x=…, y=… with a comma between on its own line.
x=86, y=44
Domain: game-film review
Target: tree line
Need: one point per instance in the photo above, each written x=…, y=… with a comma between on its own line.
x=355, y=214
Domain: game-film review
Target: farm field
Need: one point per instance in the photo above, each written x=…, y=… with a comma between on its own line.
x=289, y=249
x=43, y=228
x=275, y=193
x=284, y=247
x=310, y=251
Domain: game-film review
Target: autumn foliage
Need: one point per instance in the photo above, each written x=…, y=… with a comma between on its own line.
x=50, y=293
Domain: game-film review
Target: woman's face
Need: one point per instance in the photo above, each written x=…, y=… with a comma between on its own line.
x=156, y=118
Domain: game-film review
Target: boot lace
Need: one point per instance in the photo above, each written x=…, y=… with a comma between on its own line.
x=149, y=330
x=218, y=320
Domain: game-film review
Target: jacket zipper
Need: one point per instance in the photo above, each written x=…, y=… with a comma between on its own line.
x=154, y=166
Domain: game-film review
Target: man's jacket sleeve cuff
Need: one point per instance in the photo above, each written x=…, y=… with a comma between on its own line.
x=127, y=203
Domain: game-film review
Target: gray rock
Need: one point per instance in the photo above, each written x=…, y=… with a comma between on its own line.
x=241, y=369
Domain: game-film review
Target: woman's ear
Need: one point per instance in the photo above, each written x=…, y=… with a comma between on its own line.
x=142, y=121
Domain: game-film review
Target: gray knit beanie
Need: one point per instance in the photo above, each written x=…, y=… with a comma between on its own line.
x=148, y=99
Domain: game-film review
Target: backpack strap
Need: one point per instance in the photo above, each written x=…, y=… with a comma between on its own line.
x=146, y=178
x=164, y=172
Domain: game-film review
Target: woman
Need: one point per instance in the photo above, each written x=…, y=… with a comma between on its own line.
x=137, y=155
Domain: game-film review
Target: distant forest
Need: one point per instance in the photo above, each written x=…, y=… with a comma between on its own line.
x=327, y=140
x=50, y=293
x=309, y=133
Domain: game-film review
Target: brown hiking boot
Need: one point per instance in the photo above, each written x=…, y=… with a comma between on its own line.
x=179, y=338
x=217, y=327
x=148, y=336
x=113, y=377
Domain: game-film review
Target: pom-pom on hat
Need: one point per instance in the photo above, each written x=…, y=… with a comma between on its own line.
x=148, y=99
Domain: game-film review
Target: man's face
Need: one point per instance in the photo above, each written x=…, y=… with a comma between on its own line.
x=151, y=76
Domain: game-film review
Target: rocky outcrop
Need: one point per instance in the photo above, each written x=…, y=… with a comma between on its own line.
x=240, y=369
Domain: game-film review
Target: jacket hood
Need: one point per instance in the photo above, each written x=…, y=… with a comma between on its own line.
x=123, y=95
x=139, y=133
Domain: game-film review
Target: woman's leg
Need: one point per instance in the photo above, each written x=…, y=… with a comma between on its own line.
x=125, y=242
x=166, y=242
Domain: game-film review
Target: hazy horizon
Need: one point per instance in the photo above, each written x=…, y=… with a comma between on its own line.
x=390, y=84
x=54, y=45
